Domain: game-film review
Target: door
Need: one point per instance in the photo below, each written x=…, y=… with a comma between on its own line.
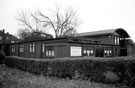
x=99, y=52
x=123, y=52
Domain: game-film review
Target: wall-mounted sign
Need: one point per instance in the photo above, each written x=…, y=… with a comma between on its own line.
x=75, y=51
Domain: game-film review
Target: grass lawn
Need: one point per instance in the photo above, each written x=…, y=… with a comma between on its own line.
x=14, y=78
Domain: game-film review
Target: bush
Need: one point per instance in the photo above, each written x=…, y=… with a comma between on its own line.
x=2, y=57
x=89, y=68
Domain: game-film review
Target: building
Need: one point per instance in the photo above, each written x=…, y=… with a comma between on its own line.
x=105, y=43
x=117, y=37
x=5, y=40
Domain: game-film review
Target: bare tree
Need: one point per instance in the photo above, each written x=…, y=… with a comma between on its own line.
x=30, y=25
x=61, y=24
x=25, y=33
x=22, y=33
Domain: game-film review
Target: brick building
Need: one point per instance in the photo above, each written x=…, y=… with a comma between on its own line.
x=105, y=43
x=5, y=40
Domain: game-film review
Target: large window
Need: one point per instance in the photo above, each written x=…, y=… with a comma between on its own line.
x=88, y=51
x=116, y=40
x=13, y=48
x=32, y=47
x=49, y=51
x=75, y=51
x=108, y=51
x=21, y=48
x=0, y=37
x=43, y=48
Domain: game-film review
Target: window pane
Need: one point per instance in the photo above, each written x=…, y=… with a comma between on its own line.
x=84, y=51
x=47, y=53
x=88, y=52
x=75, y=51
x=43, y=48
x=91, y=51
x=53, y=53
x=49, y=50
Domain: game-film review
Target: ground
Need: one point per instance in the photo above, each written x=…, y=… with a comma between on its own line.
x=14, y=78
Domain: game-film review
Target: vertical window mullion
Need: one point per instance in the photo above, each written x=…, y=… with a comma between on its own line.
x=30, y=47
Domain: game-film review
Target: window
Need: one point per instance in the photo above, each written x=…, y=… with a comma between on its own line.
x=7, y=38
x=21, y=48
x=88, y=51
x=0, y=38
x=116, y=40
x=49, y=51
x=13, y=48
x=32, y=48
x=43, y=48
x=108, y=51
x=75, y=51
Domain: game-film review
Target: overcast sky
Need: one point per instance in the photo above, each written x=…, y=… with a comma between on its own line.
x=95, y=14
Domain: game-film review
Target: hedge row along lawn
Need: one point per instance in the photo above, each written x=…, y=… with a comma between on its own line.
x=87, y=68
x=15, y=78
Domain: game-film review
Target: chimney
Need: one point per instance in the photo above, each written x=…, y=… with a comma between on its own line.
x=7, y=32
x=3, y=30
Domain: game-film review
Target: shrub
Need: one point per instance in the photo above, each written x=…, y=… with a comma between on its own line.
x=90, y=68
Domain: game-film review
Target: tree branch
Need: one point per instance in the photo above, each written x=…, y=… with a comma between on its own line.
x=46, y=17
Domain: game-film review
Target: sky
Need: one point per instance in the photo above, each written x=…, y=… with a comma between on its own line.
x=94, y=14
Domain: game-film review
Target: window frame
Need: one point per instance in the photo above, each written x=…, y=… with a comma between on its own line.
x=49, y=51
x=108, y=51
x=117, y=40
x=80, y=51
x=1, y=38
x=32, y=47
x=21, y=48
x=13, y=49
x=43, y=48
x=89, y=50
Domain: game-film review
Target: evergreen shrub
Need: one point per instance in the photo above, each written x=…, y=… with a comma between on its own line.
x=90, y=68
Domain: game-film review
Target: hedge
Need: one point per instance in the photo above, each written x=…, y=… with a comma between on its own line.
x=90, y=68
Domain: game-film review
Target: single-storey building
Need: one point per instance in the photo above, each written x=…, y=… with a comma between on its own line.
x=104, y=43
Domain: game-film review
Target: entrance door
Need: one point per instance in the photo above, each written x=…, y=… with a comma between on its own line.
x=6, y=49
x=99, y=52
x=123, y=52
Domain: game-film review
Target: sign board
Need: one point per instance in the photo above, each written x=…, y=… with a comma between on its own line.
x=75, y=51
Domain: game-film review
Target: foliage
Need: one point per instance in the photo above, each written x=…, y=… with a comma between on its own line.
x=89, y=68
x=14, y=78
